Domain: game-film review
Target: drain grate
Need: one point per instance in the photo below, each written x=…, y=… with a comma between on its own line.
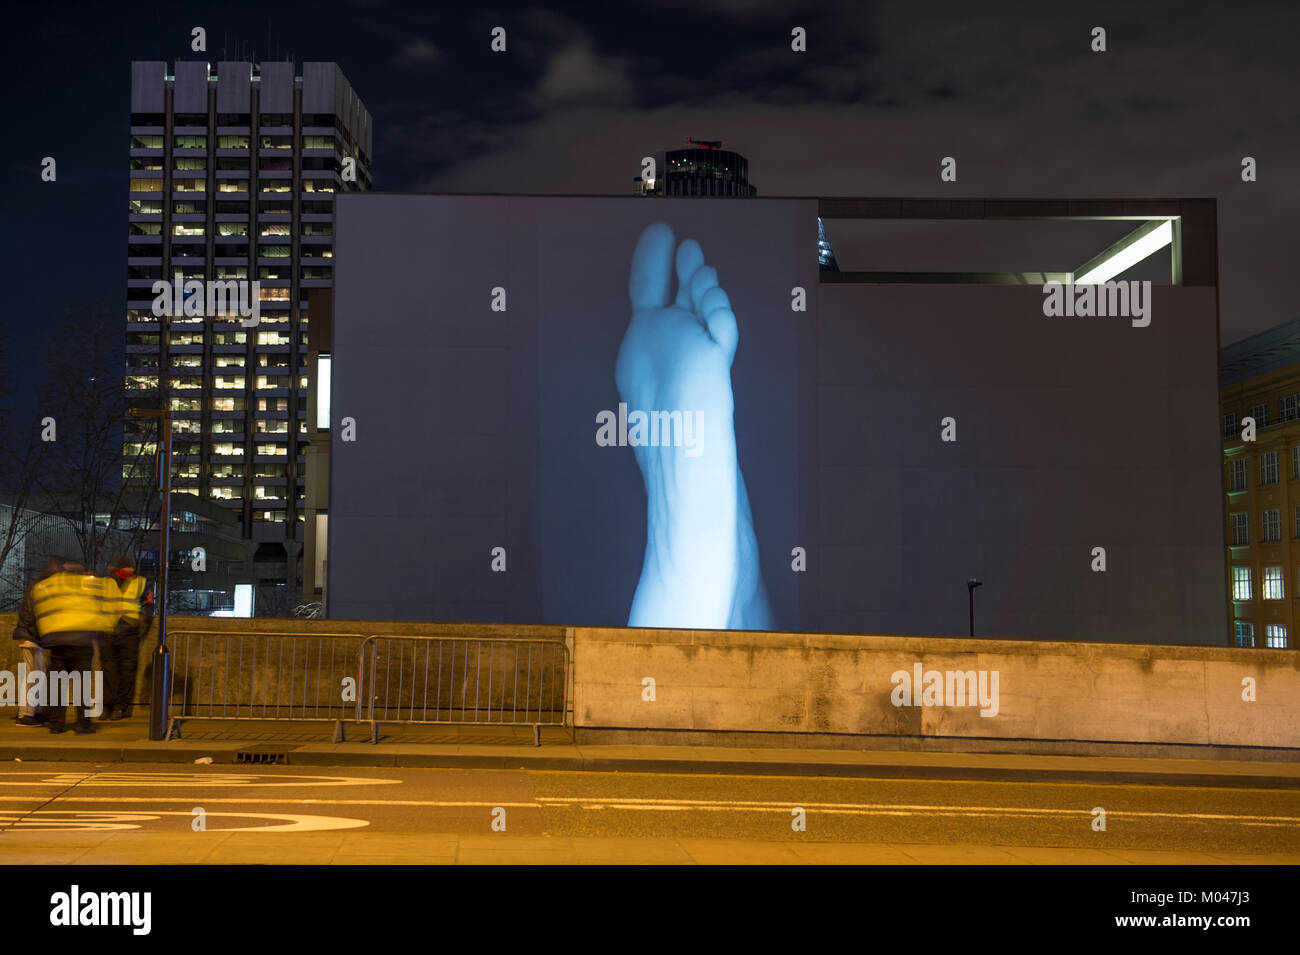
x=262, y=756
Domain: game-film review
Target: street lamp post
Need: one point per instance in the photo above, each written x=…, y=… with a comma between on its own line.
x=161, y=689
x=970, y=593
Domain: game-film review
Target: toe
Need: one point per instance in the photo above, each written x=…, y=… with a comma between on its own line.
x=715, y=308
x=652, y=268
x=689, y=259
x=704, y=279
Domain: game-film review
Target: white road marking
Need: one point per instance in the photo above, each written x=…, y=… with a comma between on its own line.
x=224, y=780
x=667, y=805
x=63, y=820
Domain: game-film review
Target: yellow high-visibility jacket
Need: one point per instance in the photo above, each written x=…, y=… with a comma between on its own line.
x=132, y=594
x=79, y=604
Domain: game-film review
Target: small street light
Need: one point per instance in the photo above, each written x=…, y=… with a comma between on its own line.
x=970, y=593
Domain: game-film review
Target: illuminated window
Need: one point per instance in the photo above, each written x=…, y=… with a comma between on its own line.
x=1241, y=528
x=1276, y=636
x=1273, y=583
x=1245, y=634
x=188, y=228
x=146, y=185
x=232, y=228
x=323, y=371
x=189, y=185
x=227, y=449
x=227, y=383
x=1242, y=584
x=146, y=142
x=232, y=185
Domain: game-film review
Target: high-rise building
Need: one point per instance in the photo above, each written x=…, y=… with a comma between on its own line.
x=706, y=169
x=1259, y=378
x=233, y=173
x=703, y=169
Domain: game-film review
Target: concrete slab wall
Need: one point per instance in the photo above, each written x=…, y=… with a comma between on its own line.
x=709, y=682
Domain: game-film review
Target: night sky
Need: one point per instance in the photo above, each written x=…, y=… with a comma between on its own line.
x=1183, y=92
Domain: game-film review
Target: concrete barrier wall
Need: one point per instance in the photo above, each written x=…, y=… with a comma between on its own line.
x=711, y=682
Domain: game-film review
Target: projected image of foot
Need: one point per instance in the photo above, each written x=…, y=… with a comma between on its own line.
x=673, y=373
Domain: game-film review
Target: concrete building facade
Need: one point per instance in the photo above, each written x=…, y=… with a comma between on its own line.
x=233, y=174
x=1260, y=381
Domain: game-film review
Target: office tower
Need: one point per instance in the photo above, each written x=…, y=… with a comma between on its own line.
x=706, y=169
x=703, y=169
x=233, y=173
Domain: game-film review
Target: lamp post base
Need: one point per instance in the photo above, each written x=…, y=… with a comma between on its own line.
x=160, y=693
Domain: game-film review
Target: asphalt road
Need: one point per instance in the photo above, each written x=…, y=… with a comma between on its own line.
x=120, y=813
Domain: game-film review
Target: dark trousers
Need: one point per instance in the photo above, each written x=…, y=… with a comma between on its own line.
x=68, y=659
x=121, y=658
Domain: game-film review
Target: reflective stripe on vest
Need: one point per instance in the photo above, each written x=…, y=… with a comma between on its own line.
x=67, y=602
x=132, y=595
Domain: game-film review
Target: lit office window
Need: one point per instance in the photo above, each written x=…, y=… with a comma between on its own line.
x=1245, y=634
x=322, y=546
x=1268, y=467
x=1241, y=528
x=1242, y=585
x=1275, y=636
x=323, y=394
x=1273, y=583
x=1237, y=474
x=1272, y=521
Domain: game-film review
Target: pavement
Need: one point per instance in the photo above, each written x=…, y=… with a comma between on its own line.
x=496, y=747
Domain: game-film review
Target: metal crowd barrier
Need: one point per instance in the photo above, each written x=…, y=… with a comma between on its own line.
x=262, y=675
x=504, y=681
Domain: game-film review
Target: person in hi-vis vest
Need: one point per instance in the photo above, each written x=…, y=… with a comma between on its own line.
x=121, y=651
x=74, y=611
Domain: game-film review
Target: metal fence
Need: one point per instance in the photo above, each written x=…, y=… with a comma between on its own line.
x=405, y=679
x=263, y=675
x=504, y=681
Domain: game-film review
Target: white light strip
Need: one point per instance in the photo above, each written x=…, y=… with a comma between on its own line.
x=1129, y=256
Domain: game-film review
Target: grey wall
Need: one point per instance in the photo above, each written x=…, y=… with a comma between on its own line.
x=1072, y=433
